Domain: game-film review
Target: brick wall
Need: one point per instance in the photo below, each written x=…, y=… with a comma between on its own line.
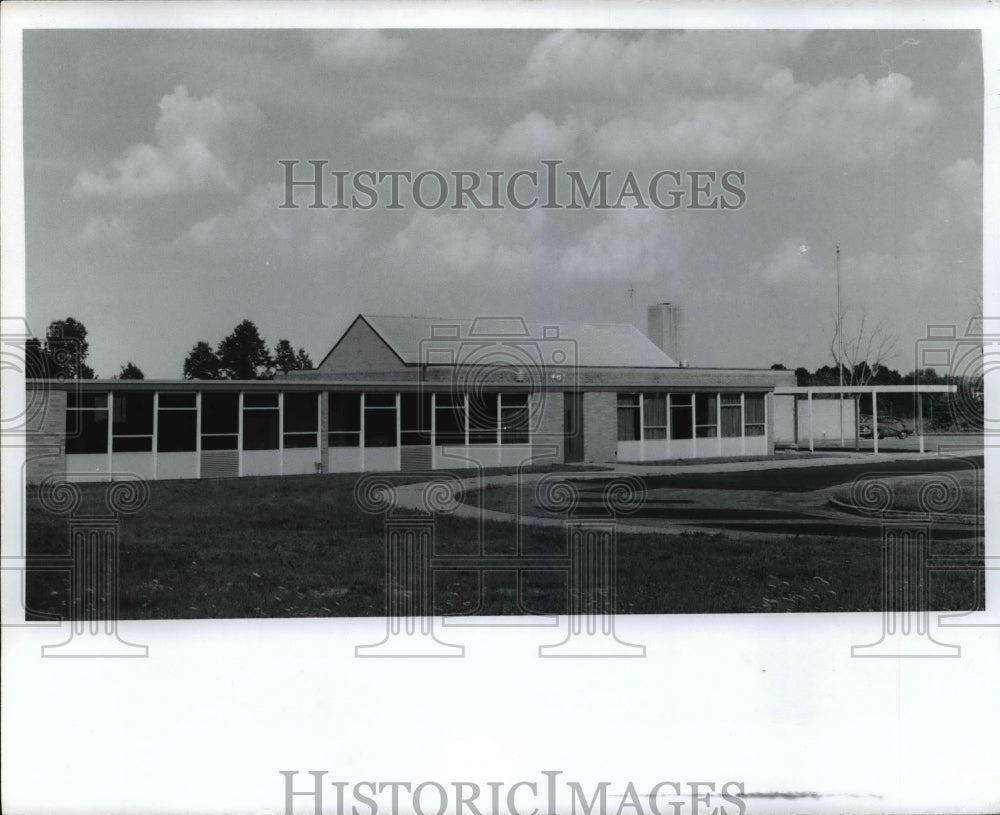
x=548, y=430
x=45, y=433
x=600, y=426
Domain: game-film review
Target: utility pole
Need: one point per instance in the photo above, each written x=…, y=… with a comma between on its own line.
x=840, y=348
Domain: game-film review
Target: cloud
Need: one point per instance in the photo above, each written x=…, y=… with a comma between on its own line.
x=257, y=225
x=537, y=136
x=958, y=208
x=630, y=244
x=193, y=142
x=396, y=124
x=693, y=96
x=111, y=230
x=355, y=47
x=790, y=262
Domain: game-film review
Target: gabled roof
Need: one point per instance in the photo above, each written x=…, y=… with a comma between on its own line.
x=430, y=340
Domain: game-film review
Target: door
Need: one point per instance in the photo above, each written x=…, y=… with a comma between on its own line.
x=573, y=426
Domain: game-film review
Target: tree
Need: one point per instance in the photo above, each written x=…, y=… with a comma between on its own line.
x=131, y=371
x=244, y=355
x=778, y=367
x=202, y=363
x=860, y=348
x=286, y=359
x=64, y=353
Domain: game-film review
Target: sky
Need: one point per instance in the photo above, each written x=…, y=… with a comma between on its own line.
x=153, y=185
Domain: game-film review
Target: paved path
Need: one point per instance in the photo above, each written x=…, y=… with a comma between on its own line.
x=813, y=503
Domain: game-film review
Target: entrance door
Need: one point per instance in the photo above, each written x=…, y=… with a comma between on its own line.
x=573, y=426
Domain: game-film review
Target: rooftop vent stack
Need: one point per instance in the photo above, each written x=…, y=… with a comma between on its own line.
x=663, y=327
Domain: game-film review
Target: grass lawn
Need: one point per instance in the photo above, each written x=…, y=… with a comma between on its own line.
x=299, y=547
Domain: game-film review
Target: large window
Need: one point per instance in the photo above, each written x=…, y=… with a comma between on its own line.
x=449, y=418
x=484, y=418
x=132, y=422
x=731, y=415
x=681, y=415
x=301, y=420
x=220, y=421
x=654, y=416
x=415, y=418
x=177, y=423
x=344, y=427
x=628, y=417
x=260, y=421
x=380, y=420
x=514, y=418
x=706, y=419
x=754, y=423
x=87, y=423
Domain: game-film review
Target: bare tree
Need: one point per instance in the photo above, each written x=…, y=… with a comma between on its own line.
x=861, y=347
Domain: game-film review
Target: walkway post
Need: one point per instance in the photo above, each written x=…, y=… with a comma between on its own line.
x=809, y=398
x=875, y=420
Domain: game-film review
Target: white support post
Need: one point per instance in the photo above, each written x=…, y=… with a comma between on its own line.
x=875, y=420
x=156, y=428
x=239, y=437
x=809, y=398
x=920, y=420
x=197, y=433
x=111, y=423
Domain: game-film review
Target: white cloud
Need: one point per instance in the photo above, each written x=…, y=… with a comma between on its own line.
x=258, y=225
x=958, y=208
x=193, y=142
x=720, y=96
x=537, y=136
x=790, y=262
x=396, y=124
x=629, y=244
x=354, y=47
x=110, y=230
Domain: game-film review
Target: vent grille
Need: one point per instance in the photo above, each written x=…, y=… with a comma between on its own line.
x=220, y=463
x=415, y=457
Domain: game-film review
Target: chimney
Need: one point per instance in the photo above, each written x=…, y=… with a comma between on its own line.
x=663, y=327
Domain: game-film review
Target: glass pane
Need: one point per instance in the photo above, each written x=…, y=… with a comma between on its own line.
x=628, y=399
x=386, y=400
x=344, y=439
x=705, y=408
x=731, y=425
x=628, y=423
x=730, y=398
x=345, y=412
x=754, y=406
x=380, y=427
x=178, y=400
x=300, y=413
x=133, y=414
x=143, y=444
x=260, y=400
x=654, y=408
x=299, y=440
x=219, y=442
x=91, y=400
x=681, y=425
x=483, y=419
x=416, y=412
x=450, y=425
x=220, y=413
x=260, y=430
x=177, y=431
x=87, y=431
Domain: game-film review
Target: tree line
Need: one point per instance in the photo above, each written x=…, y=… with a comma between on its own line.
x=242, y=354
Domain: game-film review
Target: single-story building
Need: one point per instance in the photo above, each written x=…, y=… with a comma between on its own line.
x=413, y=393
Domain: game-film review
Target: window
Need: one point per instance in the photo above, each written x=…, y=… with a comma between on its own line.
x=681, y=415
x=484, y=420
x=344, y=425
x=260, y=421
x=86, y=423
x=132, y=422
x=754, y=419
x=628, y=417
x=706, y=420
x=654, y=416
x=731, y=414
x=380, y=420
x=220, y=421
x=177, y=423
x=415, y=418
x=449, y=418
x=301, y=420
x=515, y=417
